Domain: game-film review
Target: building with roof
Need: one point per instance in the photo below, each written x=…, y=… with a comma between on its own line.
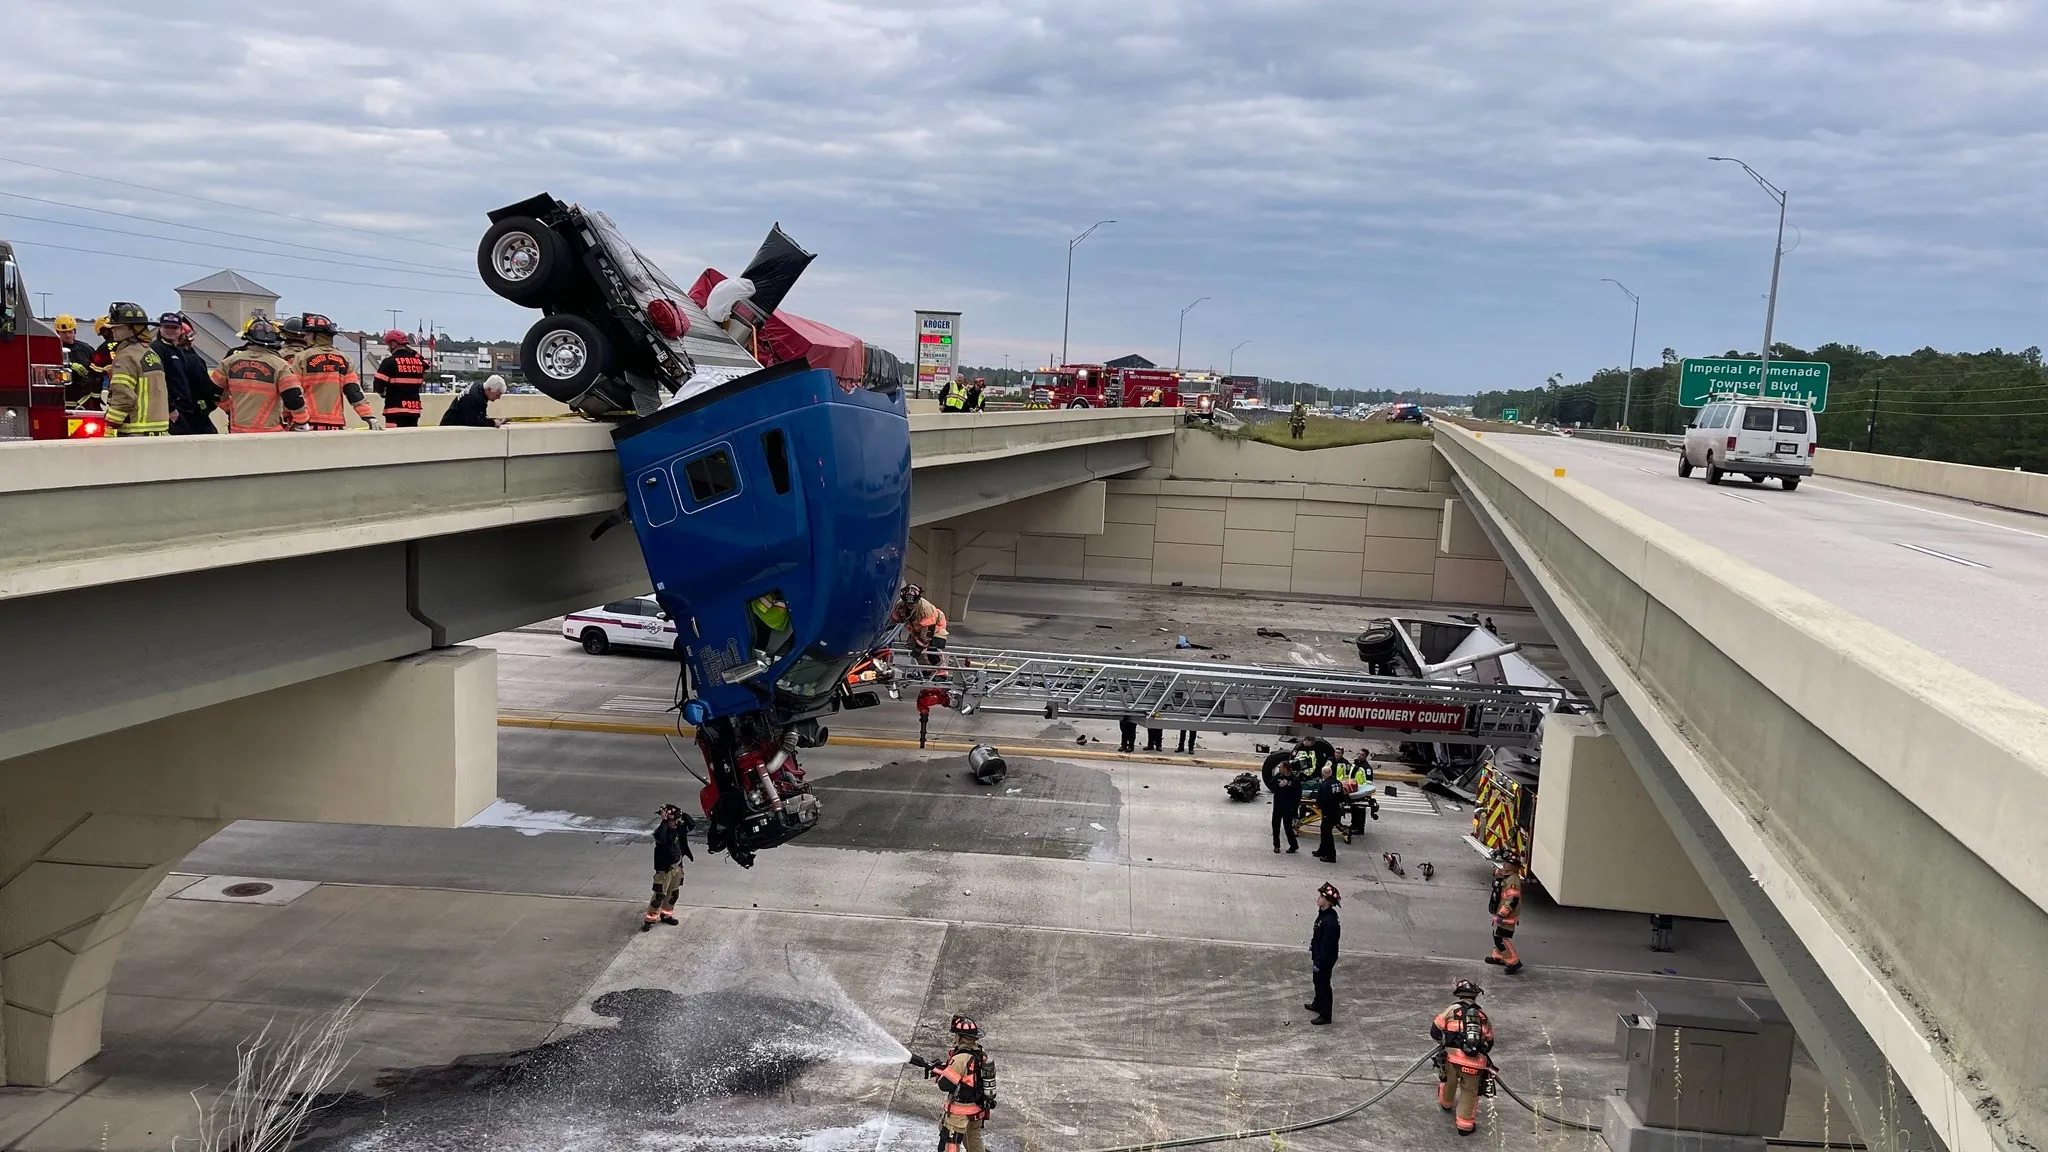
x=1132, y=361
x=219, y=305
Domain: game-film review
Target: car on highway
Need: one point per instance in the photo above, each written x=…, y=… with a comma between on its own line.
x=635, y=623
x=1755, y=438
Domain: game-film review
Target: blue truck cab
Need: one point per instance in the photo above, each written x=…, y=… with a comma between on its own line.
x=773, y=512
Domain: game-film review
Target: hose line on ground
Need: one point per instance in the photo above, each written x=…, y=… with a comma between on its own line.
x=1383, y=1093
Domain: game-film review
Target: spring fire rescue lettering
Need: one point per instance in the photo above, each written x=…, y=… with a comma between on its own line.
x=1402, y=714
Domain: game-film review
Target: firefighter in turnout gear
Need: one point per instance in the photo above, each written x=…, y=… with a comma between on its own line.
x=138, y=399
x=328, y=378
x=399, y=379
x=968, y=1077
x=1506, y=908
x=671, y=848
x=924, y=625
x=1465, y=1062
x=84, y=381
x=1297, y=420
x=260, y=391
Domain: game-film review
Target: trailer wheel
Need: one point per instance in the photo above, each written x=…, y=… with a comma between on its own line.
x=564, y=355
x=520, y=258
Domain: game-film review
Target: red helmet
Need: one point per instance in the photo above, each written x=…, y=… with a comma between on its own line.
x=394, y=337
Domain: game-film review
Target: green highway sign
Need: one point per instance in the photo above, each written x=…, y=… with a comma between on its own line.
x=1511, y=415
x=1700, y=380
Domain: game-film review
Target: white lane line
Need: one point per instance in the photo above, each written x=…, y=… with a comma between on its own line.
x=629, y=703
x=1931, y=511
x=1652, y=471
x=1940, y=555
x=1744, y=499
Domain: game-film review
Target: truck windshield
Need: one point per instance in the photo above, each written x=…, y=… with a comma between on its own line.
x=814, y=674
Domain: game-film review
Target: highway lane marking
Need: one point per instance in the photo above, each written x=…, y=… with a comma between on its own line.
x=1744, y=499
x=1940, y=555
x=822, y=786
x=1931, y=511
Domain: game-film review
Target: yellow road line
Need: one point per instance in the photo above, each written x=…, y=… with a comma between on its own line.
x=855, y=740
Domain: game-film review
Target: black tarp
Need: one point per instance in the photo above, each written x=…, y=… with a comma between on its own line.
x=774, y=270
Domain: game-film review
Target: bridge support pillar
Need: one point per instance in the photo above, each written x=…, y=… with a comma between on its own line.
x=88, y=829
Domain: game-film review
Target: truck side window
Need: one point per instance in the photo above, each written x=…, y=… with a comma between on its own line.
x=1758, y=419
x=710, y=477
x=775, y=446
x=1792, y=420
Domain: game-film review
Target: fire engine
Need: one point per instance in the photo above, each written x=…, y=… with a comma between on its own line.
x=1093, y=386
x=33, y=370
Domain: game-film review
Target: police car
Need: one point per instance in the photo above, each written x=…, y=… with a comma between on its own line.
x=635, y=623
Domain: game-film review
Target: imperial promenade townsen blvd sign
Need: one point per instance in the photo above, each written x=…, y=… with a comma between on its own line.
x=1701, y=380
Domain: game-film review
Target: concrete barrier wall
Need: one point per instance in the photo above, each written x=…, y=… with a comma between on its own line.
x=2025, y=491
x=1887, y=802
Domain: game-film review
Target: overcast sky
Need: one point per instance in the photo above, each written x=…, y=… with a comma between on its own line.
x=1383, y=193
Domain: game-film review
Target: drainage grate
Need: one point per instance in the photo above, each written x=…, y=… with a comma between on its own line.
x=251, y=888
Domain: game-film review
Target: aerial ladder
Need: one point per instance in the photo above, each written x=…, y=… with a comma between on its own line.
x=1274, y=699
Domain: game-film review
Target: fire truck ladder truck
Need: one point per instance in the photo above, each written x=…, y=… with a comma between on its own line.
x=1216, y=697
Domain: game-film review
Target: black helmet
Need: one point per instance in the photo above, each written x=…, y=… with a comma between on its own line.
x=962, y=1026
x=123, y=312
x=293, y=326
x=911, y=593
x=668, y=810
x=1329, y=892
x=316, y=325
x=1467, y=990
x=263, y=334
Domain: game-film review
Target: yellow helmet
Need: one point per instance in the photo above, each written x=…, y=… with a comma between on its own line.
x=65, y=323
x=100, y=325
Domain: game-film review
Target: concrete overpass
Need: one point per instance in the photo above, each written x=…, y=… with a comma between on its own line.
x=1834, y=700
x=200, y=630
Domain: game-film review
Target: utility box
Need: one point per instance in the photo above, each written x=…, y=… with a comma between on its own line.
x=1707, y=1065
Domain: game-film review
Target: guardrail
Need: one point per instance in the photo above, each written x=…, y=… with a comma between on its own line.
x=1632, y=439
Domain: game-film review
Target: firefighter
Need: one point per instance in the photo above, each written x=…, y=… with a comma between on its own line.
x=138, y=398
x=924, y=625
x=1357, y=779
x=973, y=399
x=327, y=377
x=954, y=397
x=1156, y=398
x=78, y=355
x=1297, y=420
x=1464, y=1063
x=967, y=1075
x=293, y=329
x=1329, y=798
x=261, y=392
x=671, y=848
x=102, y=363
x=399, y=380
x=1506, y=909
x=1285, y=785
x=1322, y=950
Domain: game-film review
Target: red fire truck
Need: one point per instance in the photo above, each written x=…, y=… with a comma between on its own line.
x=32, y=367
x=1093, y=386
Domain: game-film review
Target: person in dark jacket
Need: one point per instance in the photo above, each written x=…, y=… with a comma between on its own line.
x=1329, y=798
x=1286, y=789
x=472, y=409
x=1126, y=734
x=186, y=379
x=1322, y=950
x=671, y=848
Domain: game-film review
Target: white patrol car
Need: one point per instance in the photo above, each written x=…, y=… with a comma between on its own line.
x=635, y=623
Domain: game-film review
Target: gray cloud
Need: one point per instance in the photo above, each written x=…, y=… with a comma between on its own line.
x=1374, y=193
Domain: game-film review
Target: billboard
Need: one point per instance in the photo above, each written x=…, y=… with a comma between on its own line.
x=938, y=349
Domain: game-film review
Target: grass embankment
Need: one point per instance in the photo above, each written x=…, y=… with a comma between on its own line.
x=1323, y=432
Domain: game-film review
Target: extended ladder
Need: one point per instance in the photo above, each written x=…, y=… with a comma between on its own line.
x=1218, y=697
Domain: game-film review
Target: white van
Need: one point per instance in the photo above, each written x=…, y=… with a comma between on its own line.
x=1757, y=438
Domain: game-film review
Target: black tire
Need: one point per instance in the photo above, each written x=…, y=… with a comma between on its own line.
x=1714, y=474
x=1790, y=482
x=521, y=258
x=1077, y=402
x=1684, y=465
x=564, y=355
x=595, y=643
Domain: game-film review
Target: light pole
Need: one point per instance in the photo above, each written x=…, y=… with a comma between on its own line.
x=1628, y=389
x=1777, y=258
x=1232, y=370
x=45, y=309
x=1183, y=332
x=1067, y=313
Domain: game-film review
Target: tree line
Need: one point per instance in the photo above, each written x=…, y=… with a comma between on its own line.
x=1988, y=408
x=1279, y=392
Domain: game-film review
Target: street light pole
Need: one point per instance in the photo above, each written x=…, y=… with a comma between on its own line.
x=1067, y=313
x=1628, y=389
x=1182, y=333
x=1232, y=370
x=1777, y=260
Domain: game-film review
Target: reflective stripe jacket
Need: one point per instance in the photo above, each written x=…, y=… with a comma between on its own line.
x=1507, y=903
x=329, y=379
x=958, y=1073
x=399, y=378
x=1448, y=1029
x=926, y=622
x=254, y=382
x=138, y=400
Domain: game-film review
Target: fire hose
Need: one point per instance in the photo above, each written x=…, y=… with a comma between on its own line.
x=1387, y=1090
